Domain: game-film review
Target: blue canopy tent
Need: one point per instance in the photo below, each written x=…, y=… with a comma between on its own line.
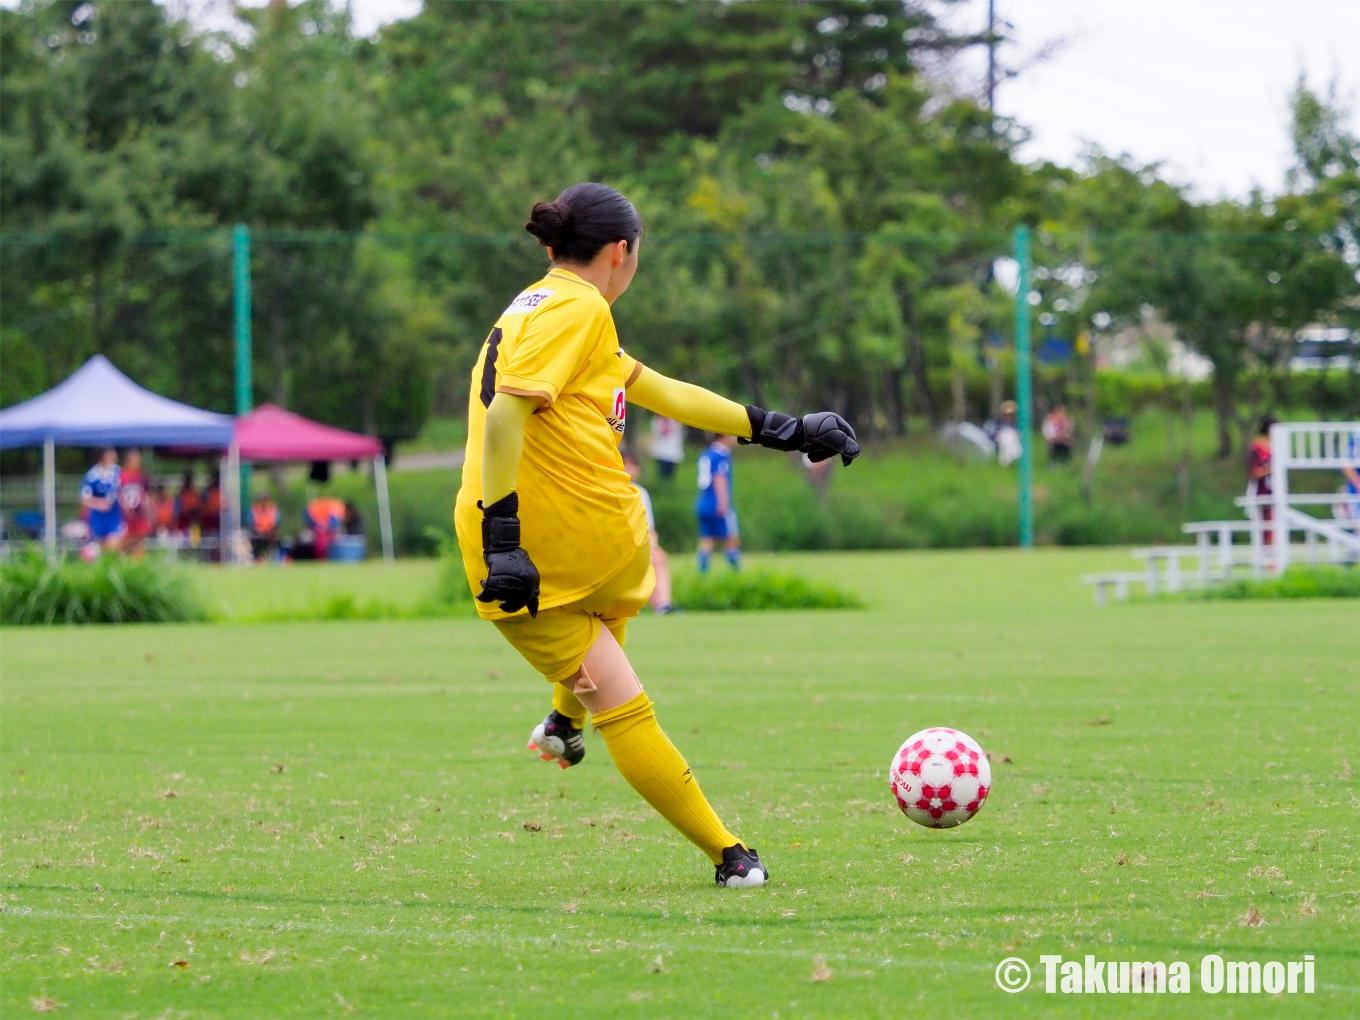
x=100, y=406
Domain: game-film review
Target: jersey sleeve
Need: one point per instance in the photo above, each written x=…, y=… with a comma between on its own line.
x=557, y=341
x=686, y=403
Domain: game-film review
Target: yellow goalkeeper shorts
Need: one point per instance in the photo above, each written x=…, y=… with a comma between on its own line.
x=556, y=641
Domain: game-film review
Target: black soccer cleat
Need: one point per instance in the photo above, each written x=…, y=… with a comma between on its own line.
x=741, y=869
x=556, y=739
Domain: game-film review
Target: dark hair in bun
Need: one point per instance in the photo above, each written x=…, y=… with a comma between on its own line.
x=582, y=220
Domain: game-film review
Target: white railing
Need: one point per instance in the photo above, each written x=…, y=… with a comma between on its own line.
x=1305, y=446
x=1315, y=444
x=1270, y=545
x=1216, y=557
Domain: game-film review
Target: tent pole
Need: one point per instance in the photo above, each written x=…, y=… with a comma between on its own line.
x=384, y=506
x=223, y=510
x=235, y=481
x=245, y=391
x=50, y=498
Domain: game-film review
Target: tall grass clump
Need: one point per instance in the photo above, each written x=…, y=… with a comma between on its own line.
x=738, y=590
x=449, y=596
x=451, y=586
x=112, y=589
x=1295, y=583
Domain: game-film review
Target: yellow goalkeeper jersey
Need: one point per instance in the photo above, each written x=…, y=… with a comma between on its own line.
x=580, y=517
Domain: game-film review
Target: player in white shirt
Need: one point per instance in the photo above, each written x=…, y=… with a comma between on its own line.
x=668, y=445
x=661, y=595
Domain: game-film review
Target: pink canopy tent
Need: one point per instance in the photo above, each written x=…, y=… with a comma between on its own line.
x=270, y=434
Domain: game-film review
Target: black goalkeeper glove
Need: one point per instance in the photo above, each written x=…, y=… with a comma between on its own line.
x=821, y=436
x=511, y=577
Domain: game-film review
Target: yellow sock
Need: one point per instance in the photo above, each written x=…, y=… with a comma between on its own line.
x=654, y=768
x=569, y=705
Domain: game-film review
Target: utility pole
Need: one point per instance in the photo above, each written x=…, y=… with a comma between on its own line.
x=1024, y=389
x=991, y=60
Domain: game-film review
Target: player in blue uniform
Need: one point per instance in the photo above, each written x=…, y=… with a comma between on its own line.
x=1351, y=476
x=99, y=495
x=713, y=507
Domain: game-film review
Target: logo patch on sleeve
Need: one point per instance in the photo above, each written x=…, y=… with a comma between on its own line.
x=619, y=410
x=528, y=300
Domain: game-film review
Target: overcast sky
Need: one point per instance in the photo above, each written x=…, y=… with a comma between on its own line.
x=1200, y=85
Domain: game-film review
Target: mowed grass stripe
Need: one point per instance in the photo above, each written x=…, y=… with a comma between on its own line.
x=1220, y=779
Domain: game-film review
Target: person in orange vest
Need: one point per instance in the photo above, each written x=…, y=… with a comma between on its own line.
x=162, y=509
x=264, y=525
x=327, y=517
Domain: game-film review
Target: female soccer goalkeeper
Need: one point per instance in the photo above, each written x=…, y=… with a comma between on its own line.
x=552, y=533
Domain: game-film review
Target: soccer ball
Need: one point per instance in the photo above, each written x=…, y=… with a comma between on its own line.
x=940, y=777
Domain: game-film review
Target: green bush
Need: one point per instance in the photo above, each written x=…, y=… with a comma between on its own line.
x=112, y=589
x=915, y=494
x=729, y=590
x=1297, y=583
x=1323, y=394
x=911, y=493
x=451, y=588
x=449, y=597
x=346, y=606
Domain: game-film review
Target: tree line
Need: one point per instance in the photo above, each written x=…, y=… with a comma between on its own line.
x=823, y=216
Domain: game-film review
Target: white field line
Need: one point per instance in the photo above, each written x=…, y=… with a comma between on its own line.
x=605, y=943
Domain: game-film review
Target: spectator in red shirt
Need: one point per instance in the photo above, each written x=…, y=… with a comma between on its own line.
x=1258, y=476
x=136, y=503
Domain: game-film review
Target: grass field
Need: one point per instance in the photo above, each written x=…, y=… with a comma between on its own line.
x=332, y=819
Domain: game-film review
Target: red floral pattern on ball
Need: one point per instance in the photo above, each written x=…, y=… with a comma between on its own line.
x=936, y=800
x=972, y=806
x=915, y=756
x=964, y=758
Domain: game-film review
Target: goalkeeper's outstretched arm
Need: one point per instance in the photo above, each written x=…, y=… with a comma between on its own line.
x=688, y=404
x=821, y=435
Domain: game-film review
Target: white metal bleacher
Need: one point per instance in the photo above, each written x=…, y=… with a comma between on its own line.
x=1216, y=556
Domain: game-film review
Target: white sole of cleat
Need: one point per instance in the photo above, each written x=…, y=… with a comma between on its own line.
x=548, y=748
x=752, y=879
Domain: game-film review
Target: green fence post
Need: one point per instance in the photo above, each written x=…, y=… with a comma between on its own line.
x=1024, y=389
x=245, y=394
